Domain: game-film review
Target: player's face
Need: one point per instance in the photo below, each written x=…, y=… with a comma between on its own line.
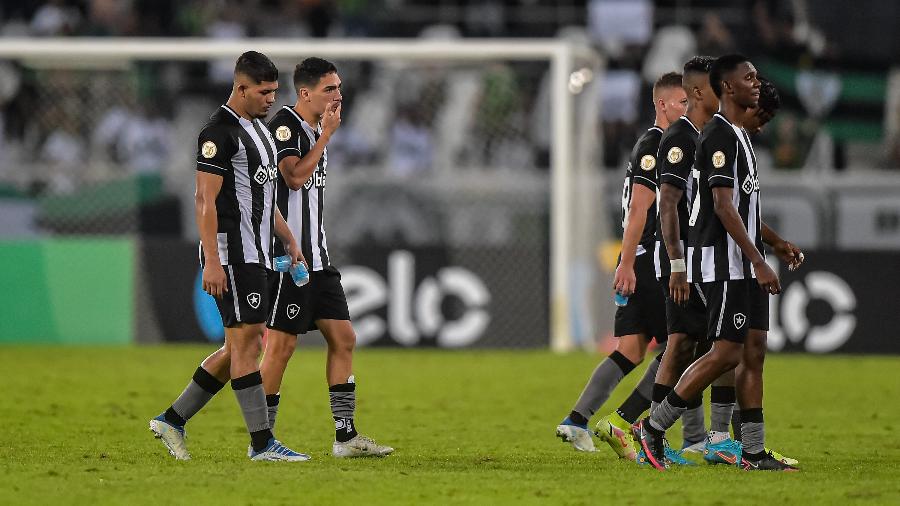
x=259, y=98
x=674, y=103
x=327, y=90
x=744, y=85
x=710, y=100
x=756, y=118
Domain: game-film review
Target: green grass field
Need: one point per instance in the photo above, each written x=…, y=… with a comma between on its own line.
x=469, y=428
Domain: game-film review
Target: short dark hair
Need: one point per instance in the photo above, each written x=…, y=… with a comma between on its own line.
x=311, y=70
x=668, y=80
x=722, y=66
x=256, y=66
x=769, y=99
x=699, y=64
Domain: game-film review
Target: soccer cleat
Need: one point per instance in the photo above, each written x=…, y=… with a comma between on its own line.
x=786, y=460
x=727, y=451
x=697, y=447
x=578, y=435
x=675, y=457
x=275, y=451
x=360, y=446
x=172, y=436
x=616, y=432
x=652, y=443
x=767, y=463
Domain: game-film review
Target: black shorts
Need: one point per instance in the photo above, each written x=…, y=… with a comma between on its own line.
x=734, y=308
x=645, y=312
x=295, y=309
x=688, y=319
x=247, y=298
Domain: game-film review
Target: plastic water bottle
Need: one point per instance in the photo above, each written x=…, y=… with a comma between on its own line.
x=620, y=300
x=298, y=272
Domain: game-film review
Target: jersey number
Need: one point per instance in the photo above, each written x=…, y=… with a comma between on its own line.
x=626, y=203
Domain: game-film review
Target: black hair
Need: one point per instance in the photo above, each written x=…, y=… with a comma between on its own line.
x=700, y=64
x=668, y=80
x=769, y=99
x=256, y=66
x=311, y=70
x=722, y=66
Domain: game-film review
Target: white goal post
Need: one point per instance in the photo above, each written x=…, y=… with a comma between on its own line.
x=564, y=57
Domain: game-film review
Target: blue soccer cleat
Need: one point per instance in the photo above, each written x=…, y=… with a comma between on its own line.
x=173, y=436
x=275, y=451
x=727, y=451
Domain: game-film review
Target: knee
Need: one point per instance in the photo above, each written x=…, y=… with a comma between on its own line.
x=281, y=349
x=727, y=358
x=343, y=343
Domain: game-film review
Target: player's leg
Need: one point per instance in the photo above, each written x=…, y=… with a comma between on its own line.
x=693, y=424
x=629, y=352
x=720, y=447
x=280, y=348
x=725, y=300
x=332, y=317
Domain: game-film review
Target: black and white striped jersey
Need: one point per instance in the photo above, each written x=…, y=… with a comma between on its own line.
x=243, y=153
x=725, y=158
x=675, y=167
x=304, y=208
x=642, y=170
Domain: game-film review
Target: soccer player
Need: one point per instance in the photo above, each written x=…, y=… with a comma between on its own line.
x=236, y=217
x=725, y=255
x=643, y=317
x=302, y=133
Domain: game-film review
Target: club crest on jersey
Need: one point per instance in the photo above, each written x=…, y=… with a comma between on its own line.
x=292, y=311
x=750, y=184
x=283, y=133
x=648, y=162
x=254, y=299
x=208, y=149
x=675, y=155
x=739, y=320
x=718, y=159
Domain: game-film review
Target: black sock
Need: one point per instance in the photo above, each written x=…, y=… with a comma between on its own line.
x=343, y=406
x=578, y=418
x=260, y=439
x=174, y=418
x=344, y=429
x=633, y=406
x=736, y=424
x=660, y=392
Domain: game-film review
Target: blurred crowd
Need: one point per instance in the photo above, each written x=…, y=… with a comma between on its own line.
x=64, y=118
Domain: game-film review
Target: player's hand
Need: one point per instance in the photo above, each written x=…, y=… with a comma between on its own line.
x=331, y=119
x=624, y=281
x=767, y=278
x=293, y=251
x=790, y=254
x=679, y=289
x=214, y=281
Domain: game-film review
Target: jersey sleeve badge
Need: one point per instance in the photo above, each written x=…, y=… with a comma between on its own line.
x=283, y=133
x=648, y=162
x=208, y=149
x=718, y=159
x=675, y=155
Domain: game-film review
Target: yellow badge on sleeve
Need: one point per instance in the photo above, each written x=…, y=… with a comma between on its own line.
x=283, y=133
x=718, y=159
x=208, y=150
x=675, y=155
x=648, y=162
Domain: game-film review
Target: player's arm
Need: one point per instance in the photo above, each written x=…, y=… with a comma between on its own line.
x=283, y=231
x=786, y=251
x=669, y=196
x=208, y=186
x=297, y=169
x=676, y=154
x=731, y=220
x=642, y=198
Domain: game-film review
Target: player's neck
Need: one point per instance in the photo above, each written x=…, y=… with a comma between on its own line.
x=732, y=112
x=697, y=116
x=661, y=121
x=236, y=106
x=308, y=116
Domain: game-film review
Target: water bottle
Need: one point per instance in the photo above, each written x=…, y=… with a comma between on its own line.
x=620, y=300
x=298, y=272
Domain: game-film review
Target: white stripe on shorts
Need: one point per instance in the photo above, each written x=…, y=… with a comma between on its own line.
x=277, y=296
x=234, y=294
x=722, y=310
